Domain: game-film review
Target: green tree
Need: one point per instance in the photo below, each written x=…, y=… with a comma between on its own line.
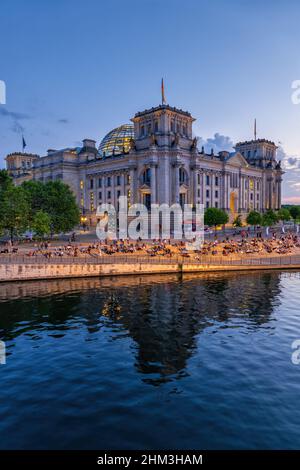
x=61, y=206
x=14, y=209
x=237, y=222
x=295, y=212
x=214, y=217
x=283, y=214
x=41, y=223
x=36, y=195
x=5, y=181
x=269, y=218
x=254, y=218
x=56, y=199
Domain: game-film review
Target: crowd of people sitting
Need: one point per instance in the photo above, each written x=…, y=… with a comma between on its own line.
x=235, y=246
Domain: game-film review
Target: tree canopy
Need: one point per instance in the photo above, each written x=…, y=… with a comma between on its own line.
x=214, y=216
x=283, y=214
x=14, y=211
x=269, y=218
x=254, y=218
x=295, y=212
x=41, y=207
x=55, y=199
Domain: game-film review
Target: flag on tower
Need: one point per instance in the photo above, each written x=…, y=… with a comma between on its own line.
x=255, y=129
x=163, y=99
x=23, y=143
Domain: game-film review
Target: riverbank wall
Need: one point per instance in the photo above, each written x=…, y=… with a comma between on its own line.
x=23, y=271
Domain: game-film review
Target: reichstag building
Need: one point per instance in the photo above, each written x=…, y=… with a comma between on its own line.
x=155, y=159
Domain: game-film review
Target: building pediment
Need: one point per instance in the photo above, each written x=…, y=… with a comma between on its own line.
x=237, y=159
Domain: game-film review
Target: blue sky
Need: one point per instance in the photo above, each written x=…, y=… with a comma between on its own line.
x=76, y=69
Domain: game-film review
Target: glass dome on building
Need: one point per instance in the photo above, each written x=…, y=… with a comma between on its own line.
x=117, y=141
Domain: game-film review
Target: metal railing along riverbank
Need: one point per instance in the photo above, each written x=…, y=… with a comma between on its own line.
x=159, y=260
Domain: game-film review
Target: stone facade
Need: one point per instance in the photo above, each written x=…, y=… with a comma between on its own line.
x=162, y=165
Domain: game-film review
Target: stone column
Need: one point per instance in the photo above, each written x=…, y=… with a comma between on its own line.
x=176, y=186
x=228, y=192
x=202, y=199
x=224, y=191
x=243, y=192
x=194, y=195
x=203, y=189
x=123, y=185
x=279, y=193
x=153, y=184
x=270, y=188
x=254, y=195
x=112, y=189
x=240, y=193
x=132, y=186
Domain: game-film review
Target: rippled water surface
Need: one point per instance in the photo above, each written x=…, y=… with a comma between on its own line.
x=202, y=362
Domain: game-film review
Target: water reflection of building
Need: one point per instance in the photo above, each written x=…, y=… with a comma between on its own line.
x=162, y=314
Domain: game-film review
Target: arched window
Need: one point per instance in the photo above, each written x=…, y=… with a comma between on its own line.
x=146, y=177
x=182, y=176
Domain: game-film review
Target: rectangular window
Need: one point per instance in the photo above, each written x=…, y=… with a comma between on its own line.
x=216, y=204
x=198, y=192
x=81, y=184
x=217, y=181
x=100, y=195
x=216, y=194
x=108, y=181
x=207, y=204
x=118, y=180
x=207, y=180
x=91, y=183
x=118, y=194
x=108, y=194
x=207, y=193
x=100, y=183
x=198, y=178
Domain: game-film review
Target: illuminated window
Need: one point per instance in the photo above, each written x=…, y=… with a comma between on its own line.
x=81, y=184
x=251, y=184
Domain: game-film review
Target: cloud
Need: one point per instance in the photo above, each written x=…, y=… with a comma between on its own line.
x=291, y=200
x=13, y=114
x=63, y=121
x=16, y=119
x=218, y=142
